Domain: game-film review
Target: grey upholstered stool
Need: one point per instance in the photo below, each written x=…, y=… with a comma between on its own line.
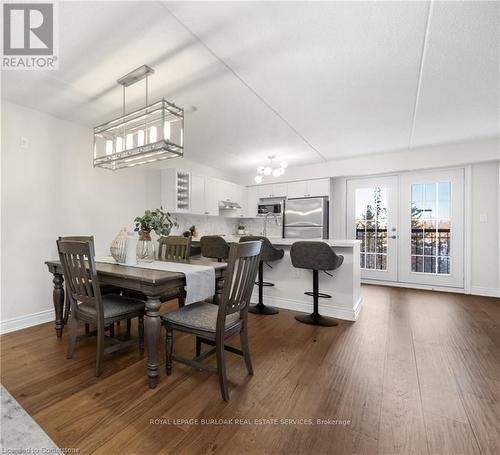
x=315, y=256
x=268, y=253
x=215, y=247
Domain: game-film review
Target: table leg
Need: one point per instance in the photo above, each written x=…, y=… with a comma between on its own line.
x=58, y=298
x=153, y=327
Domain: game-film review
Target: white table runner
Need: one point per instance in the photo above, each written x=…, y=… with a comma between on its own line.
x=200, y=279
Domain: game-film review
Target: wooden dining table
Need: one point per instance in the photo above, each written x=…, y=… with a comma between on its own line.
x=152, y=283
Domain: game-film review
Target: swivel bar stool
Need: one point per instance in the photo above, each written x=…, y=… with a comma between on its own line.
x=315, y=256
x=268, y=253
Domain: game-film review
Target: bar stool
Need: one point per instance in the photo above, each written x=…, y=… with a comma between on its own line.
x=268, y=253
x=215, y=247
x=315, y=256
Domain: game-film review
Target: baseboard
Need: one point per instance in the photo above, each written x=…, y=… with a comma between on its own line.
x=332, y=310
x=424, y=287
x=29, y=320
x=487, y=292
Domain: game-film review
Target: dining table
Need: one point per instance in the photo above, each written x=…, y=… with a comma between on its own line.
x=152, y=283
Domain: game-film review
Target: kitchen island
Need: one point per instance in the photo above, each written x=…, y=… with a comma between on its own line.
x=290, y=283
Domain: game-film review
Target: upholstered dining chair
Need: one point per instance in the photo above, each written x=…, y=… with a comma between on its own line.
x=89, y=305
x=212, y=324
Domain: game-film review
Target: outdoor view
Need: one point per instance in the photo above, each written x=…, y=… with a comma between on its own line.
x=371, y=227
x=430, y=228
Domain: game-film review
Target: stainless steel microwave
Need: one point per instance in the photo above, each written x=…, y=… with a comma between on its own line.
x=274, y=207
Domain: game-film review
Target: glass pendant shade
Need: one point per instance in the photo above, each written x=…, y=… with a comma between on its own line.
x=152, y=133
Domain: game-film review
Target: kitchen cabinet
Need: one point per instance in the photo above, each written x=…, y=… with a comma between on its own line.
x=197, y=194
x=309, y=188
x=252, y=201
x=275, y=190
x=211, y=201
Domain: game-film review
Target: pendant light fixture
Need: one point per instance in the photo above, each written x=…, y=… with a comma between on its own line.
x=152, y=133
x=266, y=171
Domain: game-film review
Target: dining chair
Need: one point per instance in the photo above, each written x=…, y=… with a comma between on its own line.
x=212, y=324
x=174, y=248
x=89, y=305
x=105, y=288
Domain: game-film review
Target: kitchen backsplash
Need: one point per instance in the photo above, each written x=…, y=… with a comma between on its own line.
x=206, y=225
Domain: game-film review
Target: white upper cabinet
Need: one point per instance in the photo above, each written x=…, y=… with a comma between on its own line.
x=309, y=188
x=176, y=190
x=252, y=201
x=211, y=201
x=197, y=194
x=276, y=190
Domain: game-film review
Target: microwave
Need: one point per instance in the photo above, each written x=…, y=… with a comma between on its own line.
x=272, y=207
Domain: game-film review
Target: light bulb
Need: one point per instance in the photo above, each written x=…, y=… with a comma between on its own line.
x=260, y=170
x=129, y=141
x=152, y=134
x=140, y=138
x=166, y=131
x=267, y=171
x=284, y=164
x=277, y=172
x=258, y=179
x=119, y=144
x=109, y=147
x=281, y=171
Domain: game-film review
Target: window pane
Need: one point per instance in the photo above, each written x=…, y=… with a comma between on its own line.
x=430, y=225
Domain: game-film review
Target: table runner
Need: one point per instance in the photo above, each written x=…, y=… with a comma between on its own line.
x=200, y=279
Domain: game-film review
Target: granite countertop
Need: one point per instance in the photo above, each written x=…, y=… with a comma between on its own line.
x=280, y=241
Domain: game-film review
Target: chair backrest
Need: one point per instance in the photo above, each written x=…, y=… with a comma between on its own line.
x=315, y=256
x=239, y=279
x=78, y=262
x=268, y=252
x=174, y=248
x=214, y=246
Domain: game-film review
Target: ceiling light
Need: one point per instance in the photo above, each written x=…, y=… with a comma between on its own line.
x=270, y=170
x=156, y=130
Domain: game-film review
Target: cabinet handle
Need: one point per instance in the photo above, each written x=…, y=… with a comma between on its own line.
x=206, y=213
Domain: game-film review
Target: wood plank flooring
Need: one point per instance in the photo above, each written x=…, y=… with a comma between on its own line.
x=418, y=373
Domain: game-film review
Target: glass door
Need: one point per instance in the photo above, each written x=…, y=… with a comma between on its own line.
x=431, y=214
x=372, y=217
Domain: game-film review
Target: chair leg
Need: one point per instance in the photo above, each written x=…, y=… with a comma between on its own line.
x=72, y=338
x=168, y=350
x=87, y=329
x=128, y=328
x=245, y=348
x=141, y=333
x=198, y=346
x=260, y=308
x=182, y=298
x=100, y=350
x=112, y=330
x=221, y=369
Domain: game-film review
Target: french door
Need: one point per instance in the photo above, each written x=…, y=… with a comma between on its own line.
x=372, y=217
x=411, y=227
x=432, y=228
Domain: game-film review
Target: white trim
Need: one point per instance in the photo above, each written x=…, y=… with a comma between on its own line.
x=326, y=309
x=426, y=287
x=28, y=320
x=488, y=292
x=468, y=229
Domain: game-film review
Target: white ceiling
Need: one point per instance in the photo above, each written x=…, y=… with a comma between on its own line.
x=305, y=81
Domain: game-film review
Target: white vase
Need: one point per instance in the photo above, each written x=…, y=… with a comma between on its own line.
x=131, y=249
x=118, y=248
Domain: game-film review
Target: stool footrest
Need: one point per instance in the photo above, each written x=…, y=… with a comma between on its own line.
x=320, y=294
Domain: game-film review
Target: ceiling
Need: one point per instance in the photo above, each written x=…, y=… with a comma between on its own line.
x=305, y=81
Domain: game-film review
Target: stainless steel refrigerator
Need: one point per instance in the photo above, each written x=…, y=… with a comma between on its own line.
x=306, y=218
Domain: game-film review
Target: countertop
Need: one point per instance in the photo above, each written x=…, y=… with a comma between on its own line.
x=279, y=241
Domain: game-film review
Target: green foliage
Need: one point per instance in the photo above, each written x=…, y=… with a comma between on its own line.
x=156, y=220
x=241, y=227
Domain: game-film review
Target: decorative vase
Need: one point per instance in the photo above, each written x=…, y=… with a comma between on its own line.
x=145, y=248
x=118, y=248
x=241, y=231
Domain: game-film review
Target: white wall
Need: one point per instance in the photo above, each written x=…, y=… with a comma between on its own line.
x=485, y=227
x=50, y=189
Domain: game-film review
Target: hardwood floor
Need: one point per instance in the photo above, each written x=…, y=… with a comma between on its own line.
x=418, y=373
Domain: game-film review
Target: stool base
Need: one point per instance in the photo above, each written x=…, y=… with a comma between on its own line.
x=316, y=319
x=260, y=308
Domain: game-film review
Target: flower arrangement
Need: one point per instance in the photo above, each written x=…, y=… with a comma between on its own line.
x=157, y=220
